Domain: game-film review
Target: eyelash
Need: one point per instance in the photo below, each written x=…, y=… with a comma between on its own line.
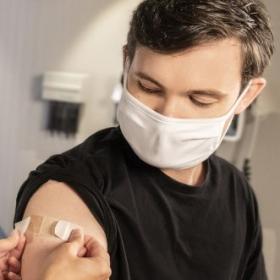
x=199, y=103
x=147, y=90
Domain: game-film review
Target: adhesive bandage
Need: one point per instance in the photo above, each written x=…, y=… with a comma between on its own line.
x=42, y=225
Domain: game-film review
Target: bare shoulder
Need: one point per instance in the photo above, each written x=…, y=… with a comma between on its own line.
x=58, y=200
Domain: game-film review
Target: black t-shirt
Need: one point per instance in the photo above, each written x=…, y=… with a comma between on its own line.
x=156, y=227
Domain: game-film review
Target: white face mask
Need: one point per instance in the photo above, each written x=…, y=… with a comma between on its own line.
x=170, y=143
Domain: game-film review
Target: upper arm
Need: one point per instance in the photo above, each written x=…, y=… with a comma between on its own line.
x=255, y=264
x=57, y=200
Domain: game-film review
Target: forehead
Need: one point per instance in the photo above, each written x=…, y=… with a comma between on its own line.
x=214, y=65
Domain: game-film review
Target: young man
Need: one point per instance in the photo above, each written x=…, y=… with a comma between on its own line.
x=151, y=191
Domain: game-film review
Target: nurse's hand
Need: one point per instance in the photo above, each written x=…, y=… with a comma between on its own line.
x=80, y=258
x=11, y=250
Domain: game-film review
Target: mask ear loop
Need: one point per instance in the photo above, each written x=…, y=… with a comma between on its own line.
x=125, y=75
x=233, y=109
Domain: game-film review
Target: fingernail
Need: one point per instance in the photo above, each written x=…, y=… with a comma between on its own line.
x=76, y=231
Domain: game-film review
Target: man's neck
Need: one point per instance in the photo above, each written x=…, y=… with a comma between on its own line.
x=193, y=176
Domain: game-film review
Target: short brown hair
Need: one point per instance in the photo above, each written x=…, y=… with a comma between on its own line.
x=170, y=26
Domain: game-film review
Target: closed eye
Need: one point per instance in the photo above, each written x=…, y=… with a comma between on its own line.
x=148, y=90
x=199, y=103
x=159, y=92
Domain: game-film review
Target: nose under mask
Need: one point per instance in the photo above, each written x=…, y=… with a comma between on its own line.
x=166, y=142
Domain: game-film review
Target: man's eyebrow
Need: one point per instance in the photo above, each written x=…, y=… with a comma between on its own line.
x=205, y=92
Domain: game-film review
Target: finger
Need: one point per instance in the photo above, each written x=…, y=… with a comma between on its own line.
x=13, y=276
x=3, y=264
x=82, y=252
x=87, y=238
x=14, y=265
x=3, y=275
x=17, y=252
x=97, y=268
x=96, y=250
x=76, y=240
x=11, y=242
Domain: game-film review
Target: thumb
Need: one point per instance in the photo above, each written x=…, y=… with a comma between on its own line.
x=76, y=241
x=11, y=242
x=96, y=250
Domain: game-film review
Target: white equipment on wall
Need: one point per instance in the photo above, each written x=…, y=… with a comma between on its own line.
x=64, y=91
x=236, y=128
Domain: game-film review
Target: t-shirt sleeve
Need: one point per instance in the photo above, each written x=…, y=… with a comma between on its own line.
x=82, y=176
x=255, y=264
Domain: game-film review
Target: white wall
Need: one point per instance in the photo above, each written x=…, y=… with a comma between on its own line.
x=108, y=36
x=36, y=36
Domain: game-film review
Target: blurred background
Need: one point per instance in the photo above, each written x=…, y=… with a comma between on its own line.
x=51, y=51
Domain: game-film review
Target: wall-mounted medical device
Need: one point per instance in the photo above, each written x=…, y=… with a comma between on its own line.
x=64, y=91
x=236, y=128
x=116, y=97
x=2, y=233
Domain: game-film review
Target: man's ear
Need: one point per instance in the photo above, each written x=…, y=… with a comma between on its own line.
x=256, y=87
x=125, y=55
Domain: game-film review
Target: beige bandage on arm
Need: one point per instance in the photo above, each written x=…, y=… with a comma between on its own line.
x=46, y=226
